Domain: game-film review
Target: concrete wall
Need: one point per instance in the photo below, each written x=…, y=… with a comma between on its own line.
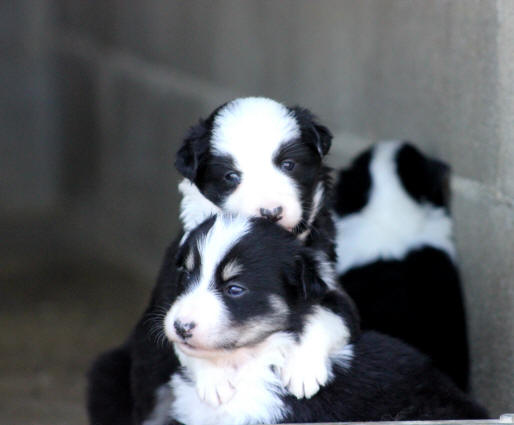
x=131, y=76
x=28, y=146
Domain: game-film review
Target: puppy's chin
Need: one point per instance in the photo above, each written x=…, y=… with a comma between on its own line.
x=194, y=351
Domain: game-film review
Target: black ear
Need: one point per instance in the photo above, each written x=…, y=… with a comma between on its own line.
x=424, y=178
x=323, y=138
x=309, y=276
x=194, y=148
x=312, y=131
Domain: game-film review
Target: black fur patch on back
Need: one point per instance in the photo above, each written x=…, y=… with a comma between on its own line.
x=351, y=192
x=418, y=300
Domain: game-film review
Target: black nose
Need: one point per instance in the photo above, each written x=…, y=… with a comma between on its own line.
x=184, y=329
x=272, y=215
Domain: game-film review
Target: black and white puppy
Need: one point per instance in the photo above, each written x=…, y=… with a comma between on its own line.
x=257, y=157
x=246, y=290
x=396, y=256
x=253, y=157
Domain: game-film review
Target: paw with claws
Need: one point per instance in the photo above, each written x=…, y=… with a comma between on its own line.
x=305, y=372
x=215, y=386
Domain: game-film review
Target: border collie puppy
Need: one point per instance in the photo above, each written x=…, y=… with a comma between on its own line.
x=254, y=157
x=245, y=292
x=396, y=256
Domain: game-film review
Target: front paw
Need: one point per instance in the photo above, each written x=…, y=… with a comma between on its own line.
x=305, y=372
x=215, y=387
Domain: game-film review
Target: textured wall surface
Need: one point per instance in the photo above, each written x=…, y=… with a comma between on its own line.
x=129, y=77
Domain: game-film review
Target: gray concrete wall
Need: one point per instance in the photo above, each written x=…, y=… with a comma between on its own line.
x=130, y=76
x=28, y=146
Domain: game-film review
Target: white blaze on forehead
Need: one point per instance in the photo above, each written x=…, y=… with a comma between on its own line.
x=200, y=304
x=253, y=128
x=251, y=132
x=392, y=222
x=226, y=232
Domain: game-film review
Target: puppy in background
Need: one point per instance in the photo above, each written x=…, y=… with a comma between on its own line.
x=396, y=256
x=246, y=289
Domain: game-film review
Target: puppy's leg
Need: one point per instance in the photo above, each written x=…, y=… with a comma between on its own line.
x=332, y=325
x=109, y=401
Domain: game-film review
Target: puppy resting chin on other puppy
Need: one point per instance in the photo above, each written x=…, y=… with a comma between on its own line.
x=246, y=290
x=257, y=157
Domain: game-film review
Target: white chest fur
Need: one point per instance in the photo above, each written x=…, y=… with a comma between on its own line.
x=258, y=398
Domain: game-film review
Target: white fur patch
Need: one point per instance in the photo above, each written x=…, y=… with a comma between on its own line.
x=251, y=131
x=392, y=223
x=308, y=366
x=258, y=398
x=194, y=207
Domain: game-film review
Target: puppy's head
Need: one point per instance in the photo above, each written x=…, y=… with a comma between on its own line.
x=241, y=280
x=392, y=172
x=256, y=157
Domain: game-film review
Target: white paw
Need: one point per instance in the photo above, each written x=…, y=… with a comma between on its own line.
x=215, y=386
x=303, y=373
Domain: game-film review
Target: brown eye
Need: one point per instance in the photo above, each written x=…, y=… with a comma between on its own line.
x=287, y=165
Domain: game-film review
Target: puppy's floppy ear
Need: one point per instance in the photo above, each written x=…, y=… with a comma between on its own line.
x=323, y=138
x=309, y=277
x=314, y=132
x=194, y=148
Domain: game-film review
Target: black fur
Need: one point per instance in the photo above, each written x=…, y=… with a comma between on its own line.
x=109, y=399
x=387, y=381
x=417, y=298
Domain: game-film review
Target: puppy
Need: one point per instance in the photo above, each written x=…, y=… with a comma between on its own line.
x=254, y=157
x=396, y=256
x=245, y=292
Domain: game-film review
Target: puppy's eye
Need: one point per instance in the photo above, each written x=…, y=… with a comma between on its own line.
x=234, y=290
x=232, y=177
x=287, y=165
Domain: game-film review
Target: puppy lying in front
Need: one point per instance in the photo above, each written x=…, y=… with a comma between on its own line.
x=246, y=289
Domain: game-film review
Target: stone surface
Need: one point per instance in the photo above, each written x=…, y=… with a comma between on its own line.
x=484, y=234
x=506, y=102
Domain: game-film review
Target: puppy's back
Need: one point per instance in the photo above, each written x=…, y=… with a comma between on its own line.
x=386, y=380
